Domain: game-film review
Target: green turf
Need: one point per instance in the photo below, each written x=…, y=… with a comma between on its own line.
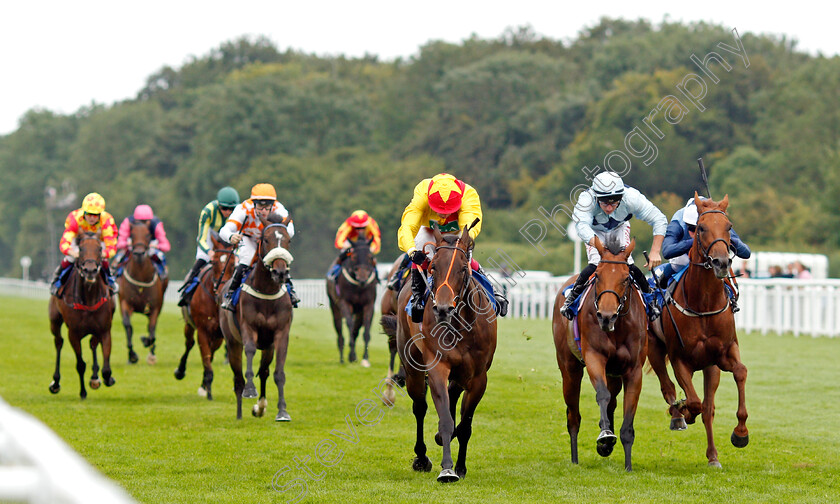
x=163, y=443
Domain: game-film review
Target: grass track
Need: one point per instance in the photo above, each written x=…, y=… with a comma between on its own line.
x=163, y=443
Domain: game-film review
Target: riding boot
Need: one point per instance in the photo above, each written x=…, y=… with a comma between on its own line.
x=235, y=282
x=501, y=300
x=109, y=279
x=117, y=262
x=639, y=277
x=733, y=298
x=54, y=283
x=394, y=281
x=292, y=296
x=418, y=294
x=576, y=291
x=186, y=291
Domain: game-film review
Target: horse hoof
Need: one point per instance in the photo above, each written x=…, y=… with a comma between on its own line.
x=151, y=359
x=605, y=442
x=83, y=395
x=740, y=442
x=255, y=411
x=461, y=471
x=202, y=392
x=250, y=391
x=678, y=424
x=351, y=358
x=438, y=439
x=147, y=342
x=110, y=381
x=365, y=363
x=180, y=374
x=95, y=384
x=132, y=357
x=447, y=476
x=715, y=464
x=54, y=387
x=424, y=465
x=282, y=417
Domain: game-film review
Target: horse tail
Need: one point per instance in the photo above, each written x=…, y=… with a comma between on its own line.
x=389, y=324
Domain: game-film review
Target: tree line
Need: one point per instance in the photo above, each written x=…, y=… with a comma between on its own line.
x=521, y=117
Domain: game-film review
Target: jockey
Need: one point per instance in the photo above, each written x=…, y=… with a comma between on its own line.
x=158, y=246
x=358, y=225
x=451, y=204
x=605, y=211
x=212, y=217
x=678, y=241
x=244, y=228
x=91, y=217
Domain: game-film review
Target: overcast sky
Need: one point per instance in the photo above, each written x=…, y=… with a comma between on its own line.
x=61, y=55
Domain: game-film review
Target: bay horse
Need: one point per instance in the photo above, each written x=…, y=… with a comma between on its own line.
x=388, y=306
x=453, y=346
x=353, y=297
x=202, y=314
x=262, y=319
x=86, y=306
x=705, y=337
x=141, y=290
x=613, y=335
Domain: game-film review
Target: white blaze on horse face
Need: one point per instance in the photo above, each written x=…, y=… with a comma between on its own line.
x=279, y=236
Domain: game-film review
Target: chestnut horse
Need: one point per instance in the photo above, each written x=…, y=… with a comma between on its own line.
x=86, y=306
x=613, y=326
x=706, y=338
x=202, y=314
x=453, y=346
x=262, y=320
x=141, y=290
x=352, y=298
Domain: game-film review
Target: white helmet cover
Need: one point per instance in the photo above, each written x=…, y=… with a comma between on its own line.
x=607, y=183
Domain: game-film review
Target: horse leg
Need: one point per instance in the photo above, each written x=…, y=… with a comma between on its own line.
x=692, y=406
x=126, y=311
x=250, y=391
x=711, y=380
x=416, y=387
x=265, y=365
x=455, y=392
x=632, y=381
x=367, y=318
x=150, y=341
x=464, y=430
x=572, y=373
x=55, y=328
x=95, y=383
x=731, y=362
x=281, y=347
x=76, y=343
x=657, y=359
x=206, y=357
x=235, y=361
x=189, y=342
x=107, y=377
x=354, y=323
x=338, y=323
x=438, y=378
x=595, y=366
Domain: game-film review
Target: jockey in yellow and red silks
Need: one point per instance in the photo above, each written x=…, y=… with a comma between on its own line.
x=90, y=218
x=358, y=225
x=453, y=205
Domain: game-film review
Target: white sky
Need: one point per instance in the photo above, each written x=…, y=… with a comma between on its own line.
x=62, y=55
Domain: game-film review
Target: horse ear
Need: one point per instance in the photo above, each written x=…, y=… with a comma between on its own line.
x=629, y=249
x=599, y=246
x=697, y=199
x=436, y=232
x=286, y=220
x=724, y=203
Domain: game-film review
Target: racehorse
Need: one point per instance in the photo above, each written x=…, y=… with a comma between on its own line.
x=262, y=319
x=388, y=306
x=202, y=314
x=141, y=290
x=612, y=326
x=700, y=331
x=352, y=298
x=86, y=306
x=454, y=345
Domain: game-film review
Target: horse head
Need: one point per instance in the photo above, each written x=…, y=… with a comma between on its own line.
x=141, y=238
x=222, y=251
x=89, y=261
x=712, y=239
x=274, y=247
x=362, y=264
x=450, y=270
x=612, y=282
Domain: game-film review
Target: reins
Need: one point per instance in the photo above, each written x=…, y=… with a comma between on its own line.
x=446, y=283
x=622, y=299
x=706, y=264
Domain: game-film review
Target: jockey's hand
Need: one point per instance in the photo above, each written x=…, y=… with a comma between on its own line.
x=211, y=254
x=417, y=257
x=343, y=254
x=104, y=254
x=235, y=238
x=73, y=252
x=654, y=260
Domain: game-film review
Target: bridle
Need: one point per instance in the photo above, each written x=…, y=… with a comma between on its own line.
x=464, y=283
x=622, y=298
x=704, y=254
x=96, y=262
x=351, y=277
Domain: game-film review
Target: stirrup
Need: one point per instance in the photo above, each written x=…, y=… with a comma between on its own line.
x=566, y=311
x=418, y=308
x=502, y=303
x=227, y=303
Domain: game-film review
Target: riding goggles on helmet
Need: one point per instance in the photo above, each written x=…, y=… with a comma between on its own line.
x=612, y=199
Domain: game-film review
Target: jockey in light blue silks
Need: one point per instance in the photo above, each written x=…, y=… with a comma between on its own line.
x=605, y=211
x=679, y=238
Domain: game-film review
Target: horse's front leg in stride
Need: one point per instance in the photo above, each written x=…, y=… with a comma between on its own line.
x=607, y=438
x=250, y=390
x=55, y=327
x=150, y=341
x=740, y=436
x=464, y=429
x=416, y=388
x=75, y=342
x=711, y=380
x=354, y=323
x=446, y=424
x=129, y=332
x=281, y=349
x=95, y=382
x=632, y=389
x=656, y=357
x=367, y=319
x=265, y=363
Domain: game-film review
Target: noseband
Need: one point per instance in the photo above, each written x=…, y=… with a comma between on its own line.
x=622, y=299
x=704, y=254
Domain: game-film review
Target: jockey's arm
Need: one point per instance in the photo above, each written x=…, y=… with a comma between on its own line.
x=655, y=257
x=231, y=227
x=675, y=243
x=203, y=238
x=738, y=246
x=124, y=234
x=470, y=211
x=412, y=217
x=162, y=242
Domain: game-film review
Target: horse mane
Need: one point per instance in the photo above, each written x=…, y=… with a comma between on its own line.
x=275, y=219
x=451, y=239
x=613, y=244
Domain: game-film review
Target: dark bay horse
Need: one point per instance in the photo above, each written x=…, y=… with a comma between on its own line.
x=706, y=339
x=86, y=306
x=262, y=320
x=202, y=314
x=388, y=306
x=352, y=298
x=454, y=347
x=141, y=290
x=613, y=336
